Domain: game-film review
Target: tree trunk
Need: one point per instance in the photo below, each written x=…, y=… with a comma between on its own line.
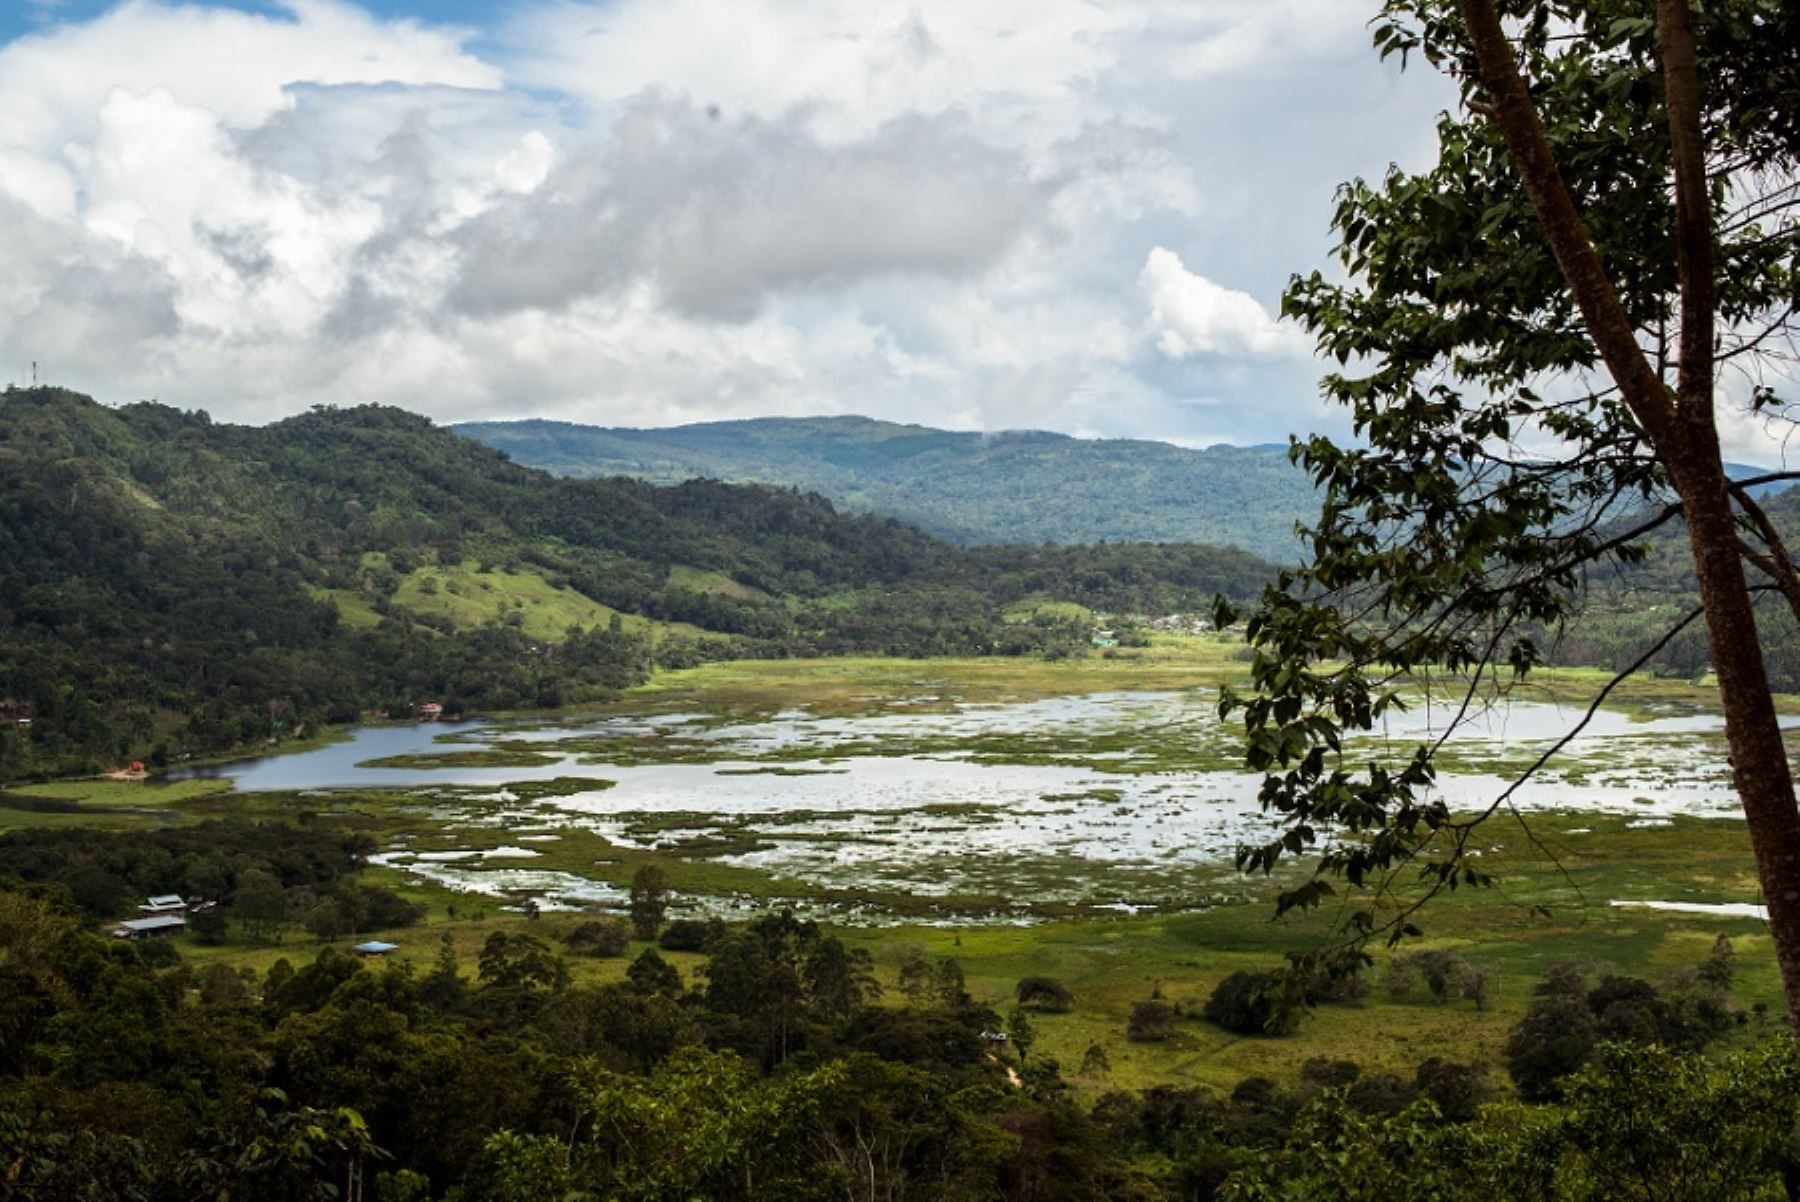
x=1680, y=429
x=1759, y=763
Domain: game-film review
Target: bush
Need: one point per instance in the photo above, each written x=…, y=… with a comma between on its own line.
x=1457, y=1090
x=1447, y=977
x=1151, y=1021
x=1630, y=1010
x=209, y=927
x=1556, y=1037
x=1045, y=994
x=158, y=953
x=598, y=937
x=1380, y=1093
x=688, y=935
x=1330, y=1074
x=1248, y=1003
x=1339, y=978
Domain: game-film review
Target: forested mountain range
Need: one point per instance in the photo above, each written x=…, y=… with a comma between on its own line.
x=1017, y=486
x=169, y=583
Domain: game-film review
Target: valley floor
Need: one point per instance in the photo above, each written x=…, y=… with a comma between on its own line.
x=741, y=781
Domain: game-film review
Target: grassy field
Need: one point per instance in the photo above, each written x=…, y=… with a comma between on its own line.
x=1112, y=964
x=853, y=685
x=468, y=596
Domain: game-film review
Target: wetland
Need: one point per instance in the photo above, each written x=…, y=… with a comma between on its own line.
x=930, y=794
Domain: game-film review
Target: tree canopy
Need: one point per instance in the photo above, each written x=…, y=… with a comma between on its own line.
x=1539, y=337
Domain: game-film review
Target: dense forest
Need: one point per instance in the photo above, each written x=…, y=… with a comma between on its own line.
x=171, y=585
x=764, y=1060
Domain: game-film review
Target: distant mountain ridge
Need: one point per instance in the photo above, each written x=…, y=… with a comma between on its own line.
x=1015, y=486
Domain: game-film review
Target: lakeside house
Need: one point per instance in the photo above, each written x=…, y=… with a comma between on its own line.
x=430, y=711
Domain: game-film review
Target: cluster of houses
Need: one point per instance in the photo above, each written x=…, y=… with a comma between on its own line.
x=167, y=915
x=1180, y=624
x=1106, y=636
x=157, y=916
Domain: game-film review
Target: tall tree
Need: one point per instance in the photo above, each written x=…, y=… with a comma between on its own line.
x=1531, y=342
x=649, y=900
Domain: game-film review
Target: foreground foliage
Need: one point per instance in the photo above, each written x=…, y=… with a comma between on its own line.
x=1529, y=336
x=778, y=1071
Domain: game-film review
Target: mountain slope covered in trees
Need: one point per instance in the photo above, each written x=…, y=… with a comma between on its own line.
x=1019, y=486
x=1016, y=486
x=169, y=583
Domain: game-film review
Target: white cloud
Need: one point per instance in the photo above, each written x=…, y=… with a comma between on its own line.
x=235, y=65
x=651, y=211
x=719, y=214
x=1190, y=315
x=1264, y=37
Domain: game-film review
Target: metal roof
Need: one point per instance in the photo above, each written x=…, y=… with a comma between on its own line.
x=374, y=947
x=162, y=922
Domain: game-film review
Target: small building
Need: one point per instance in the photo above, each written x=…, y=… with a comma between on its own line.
x=375, y=947
x=168, y=903
x=149, y=928
x=430, y=711
x=996, y=1038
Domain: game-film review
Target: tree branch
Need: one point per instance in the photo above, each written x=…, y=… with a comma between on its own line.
x=1777, y=565
x=1514, y=113
x=1748, y=482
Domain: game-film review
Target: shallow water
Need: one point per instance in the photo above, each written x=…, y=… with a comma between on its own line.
x=921, y=802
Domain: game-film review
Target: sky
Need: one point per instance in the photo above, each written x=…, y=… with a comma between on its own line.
x=1075, y=215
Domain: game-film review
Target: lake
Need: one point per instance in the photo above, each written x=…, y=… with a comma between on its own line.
x=1124, y=799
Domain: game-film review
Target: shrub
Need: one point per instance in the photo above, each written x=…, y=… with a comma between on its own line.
x=1339, y=978
x=598, y=937
x=1447, y=977
x=1457, y=1090
x=209, y=927
x=1045, y=994
x=1151, y=1020
x=1380, y=1093
x=1556, y=1037
x=688, y=935
x=1330, y=1074
x=158, y=953
x=1248, y=1003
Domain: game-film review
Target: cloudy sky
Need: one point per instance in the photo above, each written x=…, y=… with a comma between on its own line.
x=1067, y=214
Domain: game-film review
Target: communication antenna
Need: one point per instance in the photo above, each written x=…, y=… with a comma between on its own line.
x=34, y=373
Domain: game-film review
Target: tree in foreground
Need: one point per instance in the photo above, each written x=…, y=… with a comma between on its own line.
x=1539, y=339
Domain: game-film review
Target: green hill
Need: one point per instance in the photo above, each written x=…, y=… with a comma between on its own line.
x=1010, y=487
x=171, y=584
